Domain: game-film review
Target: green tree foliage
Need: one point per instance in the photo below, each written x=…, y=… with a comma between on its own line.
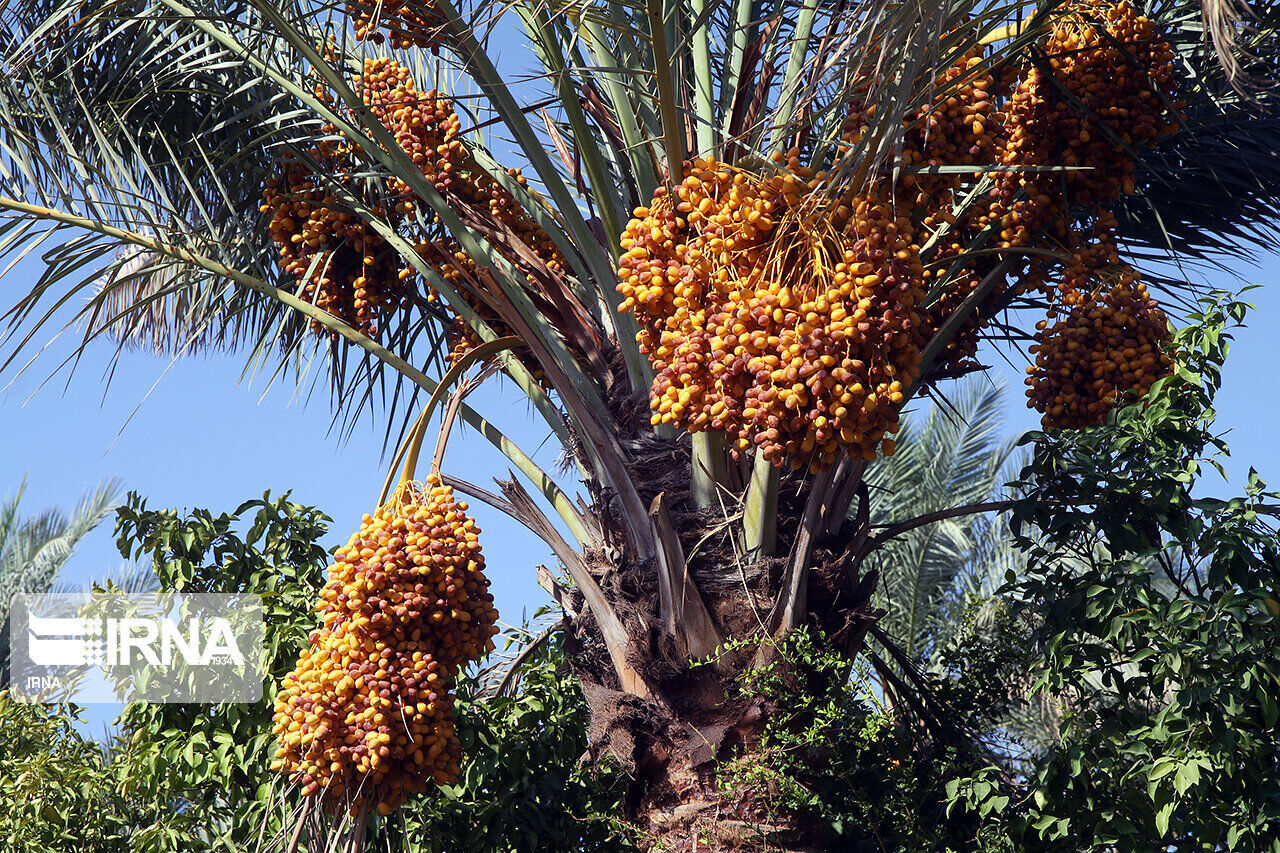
x=34, y=548
x=136, y=136
x=211, y=763
x=1154, y=621
x=524, y=783
x=56, y=791
x=836, y=754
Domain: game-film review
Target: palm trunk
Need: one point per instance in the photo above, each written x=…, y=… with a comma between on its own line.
x=688, y=743
x=680, y=800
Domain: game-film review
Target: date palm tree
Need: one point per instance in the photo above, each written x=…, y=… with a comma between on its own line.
x=139, y=137
x=34, y=548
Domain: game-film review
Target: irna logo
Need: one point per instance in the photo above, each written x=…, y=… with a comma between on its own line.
x=159, y=641
x=108, y=646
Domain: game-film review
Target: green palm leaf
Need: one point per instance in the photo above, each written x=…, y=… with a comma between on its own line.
x=955, y=457
x=1215, y=186
x=33, y=549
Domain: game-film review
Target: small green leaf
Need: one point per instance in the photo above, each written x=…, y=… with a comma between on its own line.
x=1162, y=818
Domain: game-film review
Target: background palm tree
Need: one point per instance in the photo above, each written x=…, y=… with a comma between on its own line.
x=34, y=548
x=956, y=454
x=938, y=583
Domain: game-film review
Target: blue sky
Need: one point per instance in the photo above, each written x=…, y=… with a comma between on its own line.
x=1249, y=403
x=193, y=433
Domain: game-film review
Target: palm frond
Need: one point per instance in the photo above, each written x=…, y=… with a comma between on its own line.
x=41, y=544
x=1230, y=25
x=954, y=458
x=34, y=549
x=1213, y=188
x=182, y=184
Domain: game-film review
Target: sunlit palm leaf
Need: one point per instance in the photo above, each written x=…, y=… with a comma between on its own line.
x=34, y=549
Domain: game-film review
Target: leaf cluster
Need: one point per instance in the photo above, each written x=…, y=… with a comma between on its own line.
x=1152, y=608
x=835, y=754
x=56, y=791
x=523, y=786
x=211, y=763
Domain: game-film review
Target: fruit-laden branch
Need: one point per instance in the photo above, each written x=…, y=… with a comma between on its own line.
x=485, y=351
x=380, y=143
x=993, y=281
